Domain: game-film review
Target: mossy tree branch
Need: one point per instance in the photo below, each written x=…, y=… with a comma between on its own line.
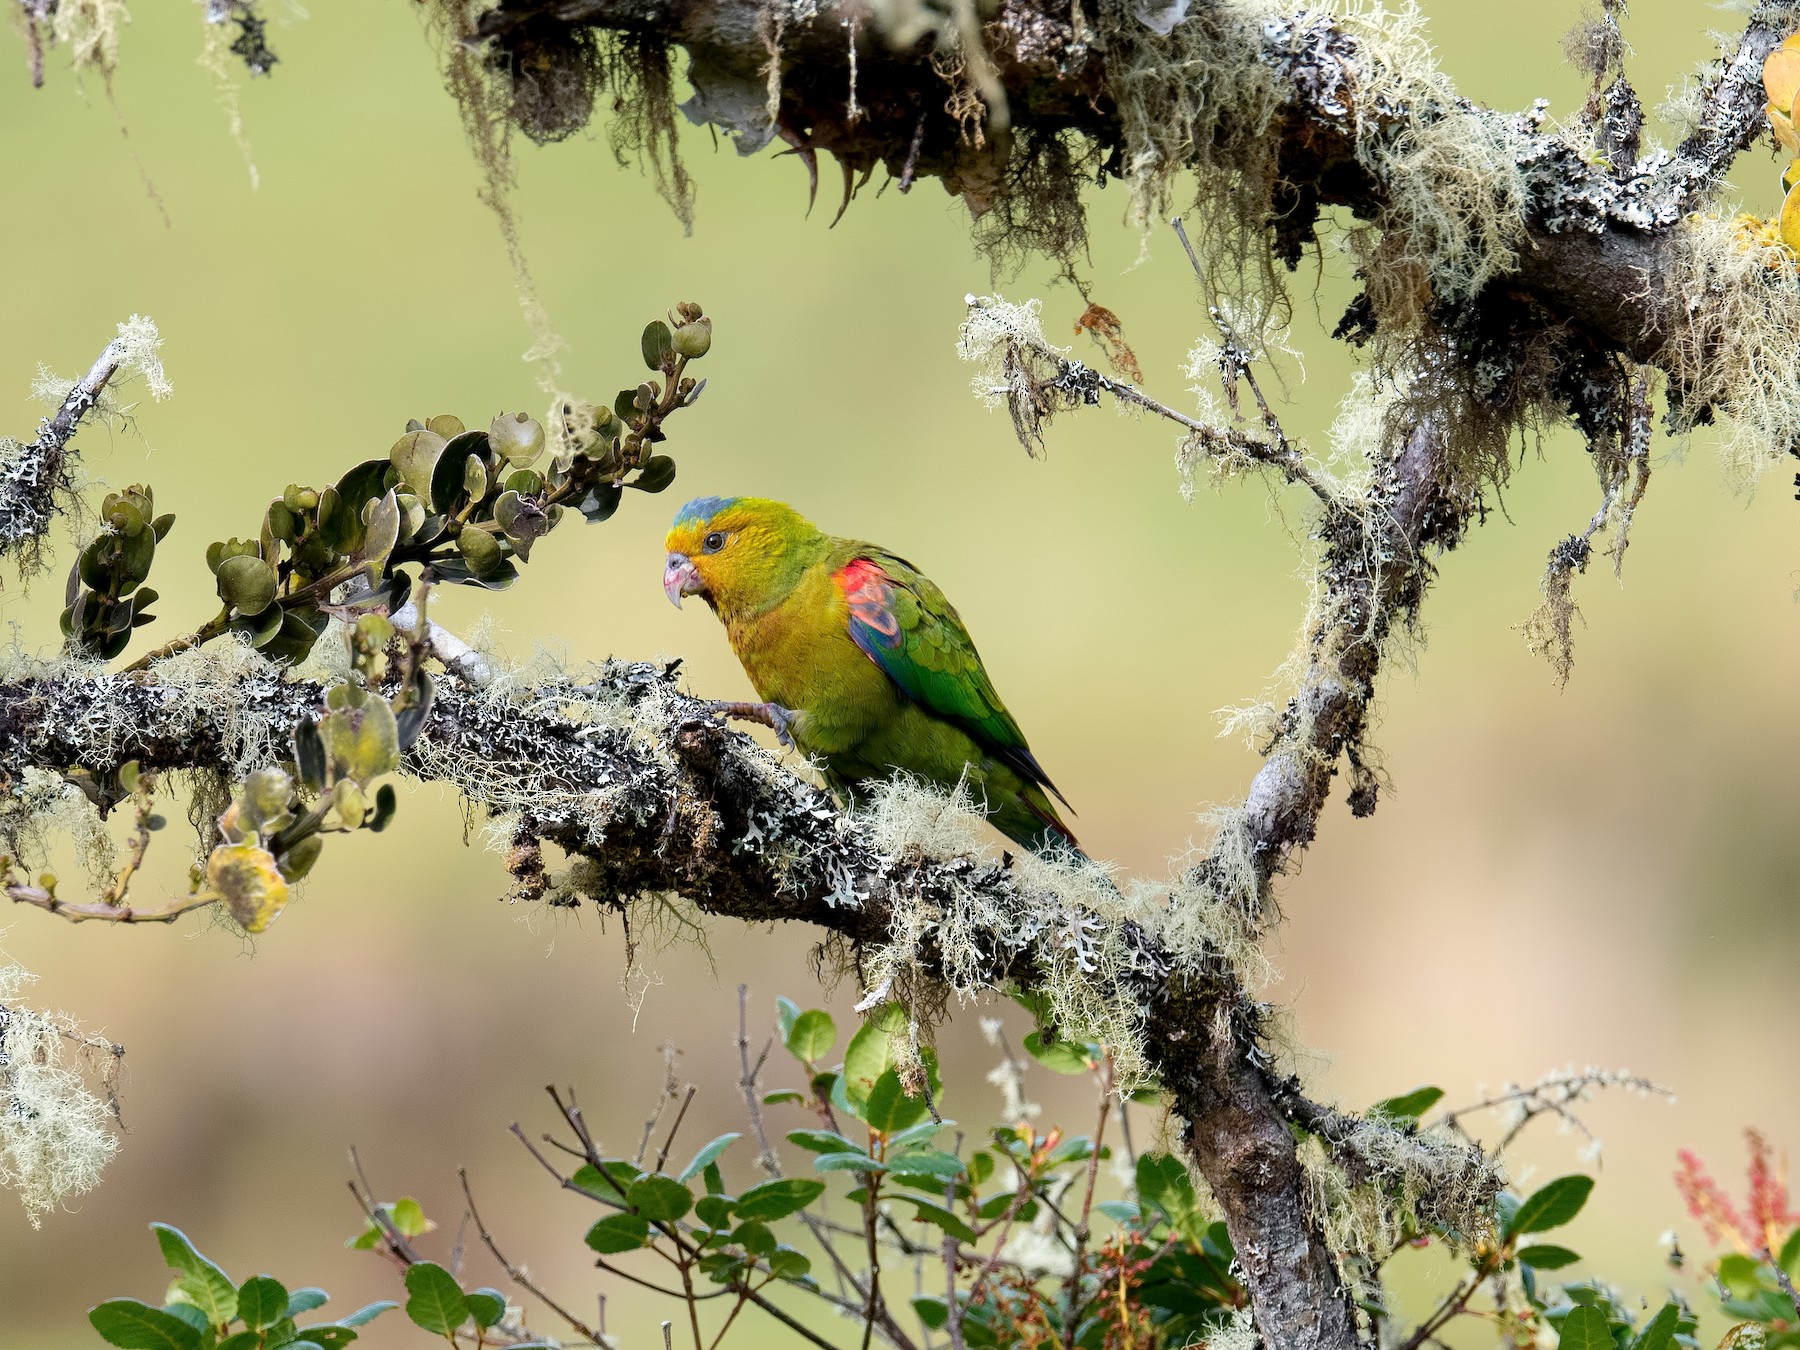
x=33, y=474
x=648, y=787
x=1596, y=234
x=1573, y=289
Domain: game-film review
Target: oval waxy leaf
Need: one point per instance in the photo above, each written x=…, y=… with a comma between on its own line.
x=517, y=437
x=1552, y=1205
x=618, y=1233
x=707, y=1156
x=659, y=1198
x=812, y=1035
x=434, y=1299
x=657, y=343
x=247, y=584
x=415, y=455
x=133, y=1325
x=779, y=1198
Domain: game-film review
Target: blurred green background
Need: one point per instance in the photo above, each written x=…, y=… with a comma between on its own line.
x=1598, y=875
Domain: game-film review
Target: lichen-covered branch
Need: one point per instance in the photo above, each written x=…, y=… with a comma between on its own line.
x=650, y=793
x=35, y=473
x=1299, y=108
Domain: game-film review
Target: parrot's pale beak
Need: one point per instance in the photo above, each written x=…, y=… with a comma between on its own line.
x=680, y=578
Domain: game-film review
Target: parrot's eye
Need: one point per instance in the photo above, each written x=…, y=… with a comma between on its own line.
x=713, y=542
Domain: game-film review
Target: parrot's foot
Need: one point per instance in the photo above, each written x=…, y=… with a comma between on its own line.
x=778, y=719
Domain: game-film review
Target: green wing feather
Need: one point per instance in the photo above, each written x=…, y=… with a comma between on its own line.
x=907, y=626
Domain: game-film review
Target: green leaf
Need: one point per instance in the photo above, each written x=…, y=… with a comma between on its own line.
x=715, y=1210
x=434, y=1299
x=1164, y=1184
x=847, y=1162
x=1551, y=1205
x=1789, y=1260
x=918, y=1134
x=812, y=1034
x=188, y=1313
x=659, y=1198
x=487, y=1306
x=1585, y=1329
x=368, y=1313
x=415, y=455
x=305, y=1300
x=205, y=1286
x=1409, y=1106
x=247, y=584
x=1659, y=1330
x=620, y=1173
x=325, y=1335
x=871, y=1053
x=889, y=1109
x=787, y=1263
x=658, y=472
x=656, y=343
x=782, y=1096
x=937, y=1215
x=1059, y=1056
x=821, y=1141
x=778, y=1199
x=132, y=1325
x=243, y=1340
x=1548, y=1257
x=754, y=1237
x=932, y=1164
x=618, y=1233
x=599, y=502
x=450, y=474
x=933, y=1312
x=707, y=1156
x=262, y=1300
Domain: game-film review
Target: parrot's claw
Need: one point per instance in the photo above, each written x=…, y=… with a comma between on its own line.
x=778, y=719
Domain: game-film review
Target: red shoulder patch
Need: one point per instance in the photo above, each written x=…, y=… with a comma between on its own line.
x=868, y=591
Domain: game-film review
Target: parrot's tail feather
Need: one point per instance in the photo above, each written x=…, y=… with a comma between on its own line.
x=1053, y=832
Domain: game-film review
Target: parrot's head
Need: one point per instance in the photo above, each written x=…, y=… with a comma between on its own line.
x=739, y=554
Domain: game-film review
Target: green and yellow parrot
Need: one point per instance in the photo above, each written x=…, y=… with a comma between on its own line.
x=861, y=661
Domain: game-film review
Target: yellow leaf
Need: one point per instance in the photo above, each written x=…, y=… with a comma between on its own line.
x=1790, y=221
x=1781, y=74
x=252, y=885
x=1783, y=126
x=361, y=742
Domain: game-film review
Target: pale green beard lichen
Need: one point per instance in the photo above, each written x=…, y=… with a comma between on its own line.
x=41, y=811
x=1201, y=101
x=90, y=30
x=1069, y=918
x=1737, y=298
x=1422, y=1182
x=54, y=1133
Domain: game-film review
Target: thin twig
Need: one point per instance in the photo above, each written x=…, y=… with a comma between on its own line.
x=516, y=1274
x=953, y=1321
x=1105, y=1075
x=662, y=1155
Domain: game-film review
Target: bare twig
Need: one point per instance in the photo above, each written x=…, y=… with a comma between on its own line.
x=517, y=1274
x=662, y=1154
